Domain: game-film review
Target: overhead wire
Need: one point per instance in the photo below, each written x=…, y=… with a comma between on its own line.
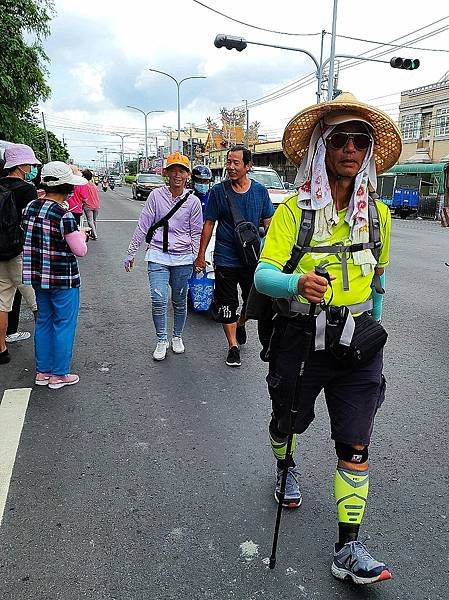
x=305, y=80
x=252, y=26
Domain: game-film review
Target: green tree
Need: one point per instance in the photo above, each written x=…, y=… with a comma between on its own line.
x=22, y=64
x=131, y=165
x=36, y=139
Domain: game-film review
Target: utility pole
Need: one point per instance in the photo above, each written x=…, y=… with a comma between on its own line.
x=47, y=143
x=247, y=123
x=330, y=85
x=191, y=143
x=106, y=159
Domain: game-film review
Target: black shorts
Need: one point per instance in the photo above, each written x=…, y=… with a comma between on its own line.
x=352, y=394
x=226, y=295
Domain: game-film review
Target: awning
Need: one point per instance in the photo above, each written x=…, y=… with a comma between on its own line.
x=417, y=168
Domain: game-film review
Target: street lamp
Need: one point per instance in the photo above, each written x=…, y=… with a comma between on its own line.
x=145, y=114
x=178, y=85
x=122, y=136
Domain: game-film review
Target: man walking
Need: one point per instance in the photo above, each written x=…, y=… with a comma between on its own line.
x=252, y=200
x=338, y=145
x=16, y=191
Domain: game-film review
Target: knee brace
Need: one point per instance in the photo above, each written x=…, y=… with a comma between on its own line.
x=350, y=454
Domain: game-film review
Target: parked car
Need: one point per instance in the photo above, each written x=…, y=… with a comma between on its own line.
x=116, y=178
x=144, y=183
x=277, y=189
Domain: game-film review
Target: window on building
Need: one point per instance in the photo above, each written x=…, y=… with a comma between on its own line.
x=442, y=122
x=411, y=126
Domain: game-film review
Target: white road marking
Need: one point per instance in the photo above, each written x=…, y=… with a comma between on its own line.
x=12, y=415
x=117, y=220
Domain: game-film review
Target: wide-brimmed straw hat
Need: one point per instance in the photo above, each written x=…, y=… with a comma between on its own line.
x=387, y=138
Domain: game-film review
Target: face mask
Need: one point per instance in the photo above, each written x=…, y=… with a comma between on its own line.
x=202, y=188
x=32, y=174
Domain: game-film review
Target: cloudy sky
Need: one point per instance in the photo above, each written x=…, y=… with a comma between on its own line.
x=100, y=53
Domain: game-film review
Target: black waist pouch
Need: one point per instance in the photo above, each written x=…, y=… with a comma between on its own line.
x=247, y=242
x=368, y=338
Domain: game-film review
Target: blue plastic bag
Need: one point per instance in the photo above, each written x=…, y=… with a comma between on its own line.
x=201, y=290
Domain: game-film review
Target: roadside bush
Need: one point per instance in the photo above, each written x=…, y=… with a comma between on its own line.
x=129, y=178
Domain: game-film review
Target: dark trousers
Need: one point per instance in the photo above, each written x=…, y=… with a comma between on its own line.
x=13, y=316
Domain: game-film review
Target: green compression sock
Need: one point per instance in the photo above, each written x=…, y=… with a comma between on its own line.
x=351, y=492
x=279, y=446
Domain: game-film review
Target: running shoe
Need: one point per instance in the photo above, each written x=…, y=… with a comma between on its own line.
x=353, y=561
x=58, y=381
x=19, y=336
x=42, y=378
x=177, y=345
x=233, y=358
x=292, y=496
x=160, y=350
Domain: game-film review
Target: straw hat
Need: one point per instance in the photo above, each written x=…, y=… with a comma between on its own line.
x=387, y=138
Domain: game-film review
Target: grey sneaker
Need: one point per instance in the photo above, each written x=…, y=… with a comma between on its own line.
x=353, y=561
x=293, y=496
x=161, y=350
x=177, y=345
x=19, y=336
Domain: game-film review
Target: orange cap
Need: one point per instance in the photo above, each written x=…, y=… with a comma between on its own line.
x=176, y=158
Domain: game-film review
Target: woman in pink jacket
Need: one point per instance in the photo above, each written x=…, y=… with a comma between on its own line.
x=91, y=204
x=79, y=196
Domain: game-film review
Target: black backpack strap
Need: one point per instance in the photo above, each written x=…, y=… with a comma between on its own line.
x=374, y=227
x=374, y=236
x=237, y=216
x=164, y=223
x=302, y=243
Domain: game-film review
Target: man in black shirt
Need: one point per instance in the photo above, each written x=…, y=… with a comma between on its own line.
x=20, y=166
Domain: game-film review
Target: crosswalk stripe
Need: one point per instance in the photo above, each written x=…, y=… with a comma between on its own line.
x=12, y=415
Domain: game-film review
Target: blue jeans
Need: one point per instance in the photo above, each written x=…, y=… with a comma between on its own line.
x=55, y=329
x=160, y=277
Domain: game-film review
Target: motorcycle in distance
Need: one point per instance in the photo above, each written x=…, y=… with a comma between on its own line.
x=111, y=183
x=104, y=184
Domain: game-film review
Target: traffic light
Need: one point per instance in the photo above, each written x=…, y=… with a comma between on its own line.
x=230, y=42
x=410, y=64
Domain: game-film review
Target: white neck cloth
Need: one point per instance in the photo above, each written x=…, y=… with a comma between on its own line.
x=314, y=193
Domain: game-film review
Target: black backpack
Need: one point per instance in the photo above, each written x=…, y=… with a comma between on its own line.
x=11, y=233
x=246, y=234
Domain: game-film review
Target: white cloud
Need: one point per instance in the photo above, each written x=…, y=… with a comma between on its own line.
x=178, y=38
x=90, y=81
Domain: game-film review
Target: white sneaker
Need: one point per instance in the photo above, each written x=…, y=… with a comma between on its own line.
x=19, y=336
x=177, y=345
x=161, y=350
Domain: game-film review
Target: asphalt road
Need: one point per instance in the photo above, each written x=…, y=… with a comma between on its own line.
x=155, y=480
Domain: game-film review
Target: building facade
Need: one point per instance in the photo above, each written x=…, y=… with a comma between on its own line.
x=424, y=123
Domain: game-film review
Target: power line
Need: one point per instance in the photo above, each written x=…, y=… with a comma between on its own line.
x=347, y=63
x=348, y=37
x=249, y=25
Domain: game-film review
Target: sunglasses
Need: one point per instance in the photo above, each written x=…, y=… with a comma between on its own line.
x=339, y=140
